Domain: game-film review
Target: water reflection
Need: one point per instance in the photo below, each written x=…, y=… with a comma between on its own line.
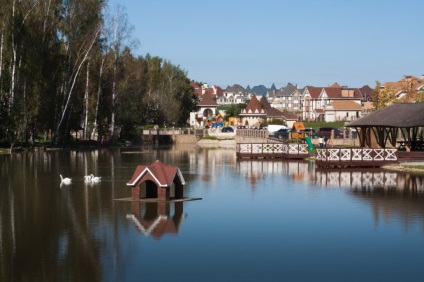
x=156, y=218
x=371, y=180
x=257, y=170
x=306, y=172
x=80, y=233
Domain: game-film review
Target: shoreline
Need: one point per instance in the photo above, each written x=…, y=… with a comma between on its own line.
x=407, y=167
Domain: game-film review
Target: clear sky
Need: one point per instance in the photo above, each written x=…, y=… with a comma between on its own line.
x=304, y=42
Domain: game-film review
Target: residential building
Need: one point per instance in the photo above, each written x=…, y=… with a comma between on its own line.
x=318, y=103
x=409, y=89
x=206, y=111
x=257, y=112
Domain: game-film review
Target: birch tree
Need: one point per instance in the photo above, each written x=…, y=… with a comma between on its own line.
x=81, y=30
x=121, y=39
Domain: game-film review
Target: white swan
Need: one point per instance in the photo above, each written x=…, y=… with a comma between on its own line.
x=87, y=178
x=95, y=178
x=65, y=180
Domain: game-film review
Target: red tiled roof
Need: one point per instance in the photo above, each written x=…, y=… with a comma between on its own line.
x=163, y=174
x=348, y=105
x=336, y=93
x=290, y=116
x=207, y=100
x=209, y=91
x=314, y=91
x=219, y=91
x=409, y=82
x=265, y=104
x=254, y=105
x=269, y=110
x=333, y=92
x=198, y=92
x=194, y=85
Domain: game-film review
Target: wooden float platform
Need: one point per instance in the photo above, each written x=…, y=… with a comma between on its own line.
x=272, y=151
x=152, y=200
x=411, y=156
x=355, y=157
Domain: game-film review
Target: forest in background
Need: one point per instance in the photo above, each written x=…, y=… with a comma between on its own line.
x=68, y=65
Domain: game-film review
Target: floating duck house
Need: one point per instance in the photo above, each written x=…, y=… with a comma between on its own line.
x=157, y=181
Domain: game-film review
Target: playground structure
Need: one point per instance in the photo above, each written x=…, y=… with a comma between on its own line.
x=298, y=131
x=219, y=121
x=299, y=134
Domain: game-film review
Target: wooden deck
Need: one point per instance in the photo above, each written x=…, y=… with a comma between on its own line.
x=412, y=156
x=355, y=157
x=272, y=150
x=155, y=200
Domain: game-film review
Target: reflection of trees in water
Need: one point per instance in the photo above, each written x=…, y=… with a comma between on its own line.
x=46, y=232
x=391, y=195
x=390, y=204
x=256, y=170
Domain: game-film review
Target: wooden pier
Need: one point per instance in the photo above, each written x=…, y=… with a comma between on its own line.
x=355, y=157
x=272, y=150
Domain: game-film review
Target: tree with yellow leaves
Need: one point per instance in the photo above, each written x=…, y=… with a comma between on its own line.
x=382, y=97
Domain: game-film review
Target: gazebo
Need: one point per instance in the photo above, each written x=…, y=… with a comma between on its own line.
x=156, y=182
x=398, y=125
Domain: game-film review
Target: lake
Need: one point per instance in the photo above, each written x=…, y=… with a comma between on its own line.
x=257, y=220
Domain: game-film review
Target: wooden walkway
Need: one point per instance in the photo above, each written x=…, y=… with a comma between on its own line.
x=272, y=150
x=355, y=157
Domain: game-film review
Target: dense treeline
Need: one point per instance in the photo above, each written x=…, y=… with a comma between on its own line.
x=68, y=64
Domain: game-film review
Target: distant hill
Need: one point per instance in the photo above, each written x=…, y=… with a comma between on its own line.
x=259, y=90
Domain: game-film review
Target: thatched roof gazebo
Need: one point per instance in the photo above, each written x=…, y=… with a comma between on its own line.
x=384, y=127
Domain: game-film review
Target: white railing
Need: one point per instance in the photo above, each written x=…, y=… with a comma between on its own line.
x=356, y=154
x=272, y=148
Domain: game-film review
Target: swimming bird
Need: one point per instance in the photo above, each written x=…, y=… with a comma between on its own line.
x=65, y=180
x=87, y=178
x=95, y=178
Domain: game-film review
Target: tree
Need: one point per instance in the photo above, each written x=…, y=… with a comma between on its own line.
x=235, y=109
x=120, y=41
x=382, y=97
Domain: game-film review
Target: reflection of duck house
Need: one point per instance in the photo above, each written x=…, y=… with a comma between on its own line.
x=156, y=219
x=157, y=181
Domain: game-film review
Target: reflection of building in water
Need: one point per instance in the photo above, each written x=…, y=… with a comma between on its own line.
x=254, y=170
x=394, y=196
x=370, y=179
x=155, y=219
x=356, y=178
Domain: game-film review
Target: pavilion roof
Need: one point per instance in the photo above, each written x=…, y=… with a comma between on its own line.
x=400, y=115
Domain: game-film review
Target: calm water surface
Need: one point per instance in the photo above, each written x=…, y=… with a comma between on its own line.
x=257, y=220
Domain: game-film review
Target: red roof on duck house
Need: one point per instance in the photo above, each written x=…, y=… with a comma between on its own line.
x=163, y=175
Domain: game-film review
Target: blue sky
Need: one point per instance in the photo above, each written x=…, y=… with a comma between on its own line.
x=304, y=42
